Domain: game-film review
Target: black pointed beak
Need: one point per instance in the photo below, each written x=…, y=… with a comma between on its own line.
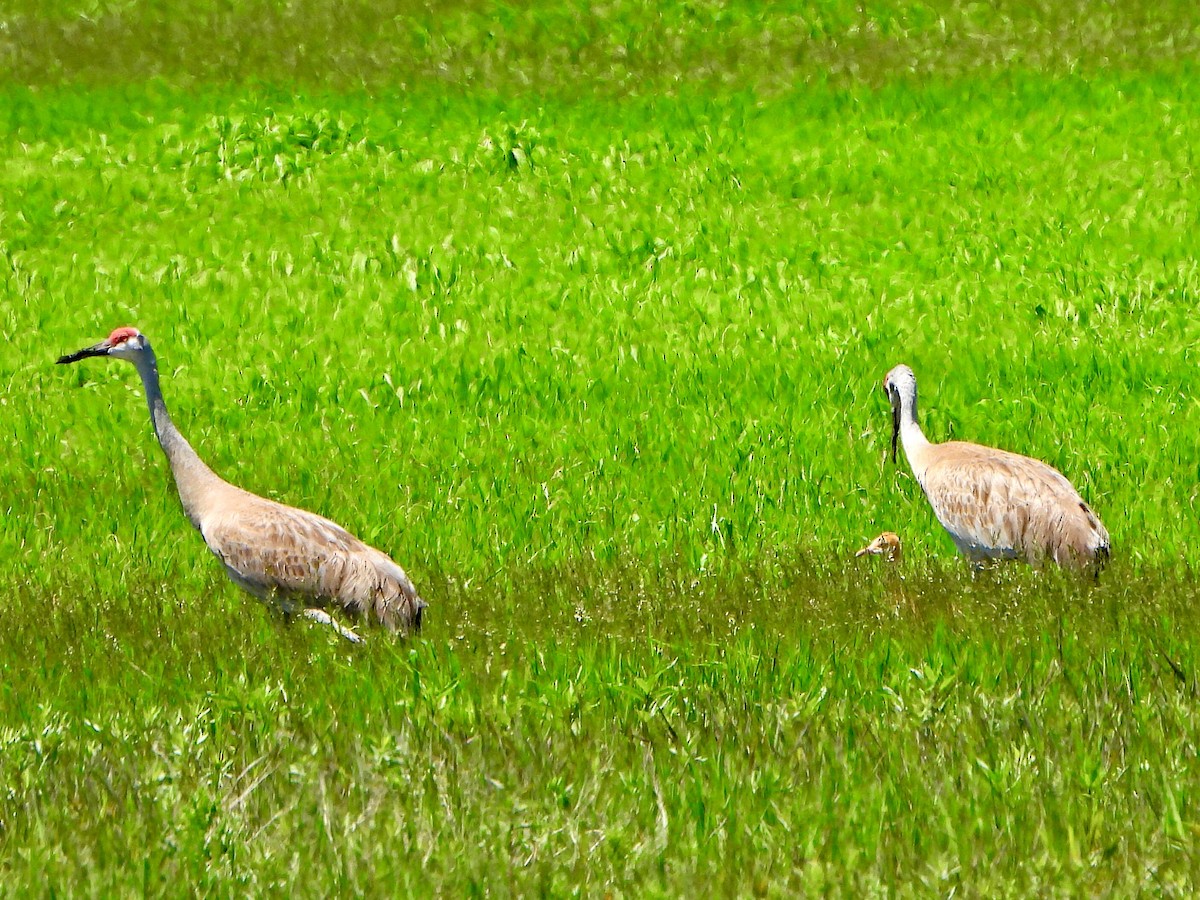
x=895, y=429
x=100, y=349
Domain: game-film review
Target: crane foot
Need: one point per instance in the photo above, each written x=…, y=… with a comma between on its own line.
x=319, y=615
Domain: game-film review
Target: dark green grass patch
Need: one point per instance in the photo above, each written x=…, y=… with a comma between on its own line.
x=573, y=48
x=620, y=730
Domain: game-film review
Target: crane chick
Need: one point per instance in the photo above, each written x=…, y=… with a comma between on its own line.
x=995, y=504
x=281, y=554
x=886, y=545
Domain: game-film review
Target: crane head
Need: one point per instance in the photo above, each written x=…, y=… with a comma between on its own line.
x=900, y=384
x=124, y=343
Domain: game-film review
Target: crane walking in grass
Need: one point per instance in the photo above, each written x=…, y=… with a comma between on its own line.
x=286, y=556
x=995, y=504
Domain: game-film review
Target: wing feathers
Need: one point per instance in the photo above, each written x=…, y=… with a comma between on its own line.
x=997, y=504
x=280, y=551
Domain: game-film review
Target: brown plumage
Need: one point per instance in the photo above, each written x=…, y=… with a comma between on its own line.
x=293, y=558
x=995, y=504
x=886, y=545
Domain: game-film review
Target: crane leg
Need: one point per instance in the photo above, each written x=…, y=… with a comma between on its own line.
x=319, y=615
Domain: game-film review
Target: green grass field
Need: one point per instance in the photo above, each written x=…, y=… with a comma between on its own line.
x=581, y=313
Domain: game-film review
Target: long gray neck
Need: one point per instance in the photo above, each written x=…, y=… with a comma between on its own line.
x=193, y=479
x=916, y=445
x=910, y=431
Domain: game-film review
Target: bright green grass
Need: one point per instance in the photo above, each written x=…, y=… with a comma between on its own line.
x=596, y=354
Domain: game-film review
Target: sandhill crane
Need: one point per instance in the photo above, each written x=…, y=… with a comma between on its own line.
x=886, y=545
x=995, y=504
x=286, y=556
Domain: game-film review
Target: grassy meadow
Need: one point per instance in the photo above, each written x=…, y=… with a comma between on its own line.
x=581, y=313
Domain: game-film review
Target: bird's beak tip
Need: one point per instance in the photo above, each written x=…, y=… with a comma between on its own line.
x=95, y=350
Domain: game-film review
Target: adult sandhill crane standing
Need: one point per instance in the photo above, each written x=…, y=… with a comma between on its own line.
x=281, y=554
x=995, y=504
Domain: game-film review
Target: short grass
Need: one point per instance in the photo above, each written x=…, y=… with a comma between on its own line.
x=589, y=337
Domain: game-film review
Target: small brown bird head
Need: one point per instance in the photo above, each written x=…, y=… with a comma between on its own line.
x=124, y=343
x=886, y=545
x=900, y=385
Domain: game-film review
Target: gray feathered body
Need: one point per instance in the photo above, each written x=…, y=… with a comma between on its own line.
x=280, y=553
x=1001, y=505
x=995, y=504
x=296, y=558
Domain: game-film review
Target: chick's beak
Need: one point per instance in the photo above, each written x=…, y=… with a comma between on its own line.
x=100, y=349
